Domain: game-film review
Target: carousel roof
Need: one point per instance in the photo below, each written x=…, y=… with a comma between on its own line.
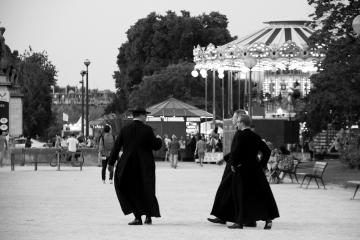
x=173, y=107
x=277, y=33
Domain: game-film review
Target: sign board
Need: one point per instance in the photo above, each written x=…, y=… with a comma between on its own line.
x=4, y=110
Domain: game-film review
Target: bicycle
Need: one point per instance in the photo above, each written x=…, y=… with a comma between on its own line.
x=76, y=163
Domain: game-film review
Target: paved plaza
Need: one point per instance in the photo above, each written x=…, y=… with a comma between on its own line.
x=69, y=204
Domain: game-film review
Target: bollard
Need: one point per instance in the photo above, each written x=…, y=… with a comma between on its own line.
x=12, y=156
x=58, y=161
x=36, y=158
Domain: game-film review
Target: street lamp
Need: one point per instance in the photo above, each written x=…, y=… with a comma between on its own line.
x=87, y=63
x=250, y=62
x=82, y=73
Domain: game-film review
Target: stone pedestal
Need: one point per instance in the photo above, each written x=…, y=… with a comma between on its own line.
x=11, y=108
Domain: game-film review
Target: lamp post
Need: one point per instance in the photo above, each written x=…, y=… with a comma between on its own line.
x=82, y=73
x=87, y=63
x=250, y=62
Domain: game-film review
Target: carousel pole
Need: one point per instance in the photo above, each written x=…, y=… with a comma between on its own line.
x=229, y=93
x=206, y=104
x=214, y=108
x=239, y=87
x=222, y=93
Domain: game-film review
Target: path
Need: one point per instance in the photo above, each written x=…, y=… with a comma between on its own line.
x=70, y=204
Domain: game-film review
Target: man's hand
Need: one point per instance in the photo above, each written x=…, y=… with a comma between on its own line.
x=220, y=162
x=111, y=168
x=233, y=168
x=158, y=136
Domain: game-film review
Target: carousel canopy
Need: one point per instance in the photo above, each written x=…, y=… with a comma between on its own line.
x=277, y=33
x=173, y=107
x=283, y=44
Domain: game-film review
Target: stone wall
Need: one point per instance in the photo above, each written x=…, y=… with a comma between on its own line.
x=44, y=155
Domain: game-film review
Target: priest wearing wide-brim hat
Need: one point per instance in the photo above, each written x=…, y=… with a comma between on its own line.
x=135, y=172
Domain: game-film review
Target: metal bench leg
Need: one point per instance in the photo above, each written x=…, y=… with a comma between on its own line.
x=322, y=182
x=316, y=182
x=296, y=178
x=291, y=177
x=303, y=181
x=357, y=187
x=309, y=182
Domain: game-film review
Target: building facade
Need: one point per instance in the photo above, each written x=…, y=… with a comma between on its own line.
x=72, y=95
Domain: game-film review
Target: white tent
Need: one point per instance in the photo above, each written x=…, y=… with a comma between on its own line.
x=205, y=127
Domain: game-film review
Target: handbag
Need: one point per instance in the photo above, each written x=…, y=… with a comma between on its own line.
x=286, y=163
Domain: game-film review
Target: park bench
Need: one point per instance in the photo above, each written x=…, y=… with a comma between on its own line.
x=291, y=171
x=318, y=171
x=357, y=183
x=36, y=152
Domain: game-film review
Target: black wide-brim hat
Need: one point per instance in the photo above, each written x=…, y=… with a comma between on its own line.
x=139, y=110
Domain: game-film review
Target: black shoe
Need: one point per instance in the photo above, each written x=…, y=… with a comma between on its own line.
x=268, y=225
x=148, y=221
x=216, y=220
x=252, y=224
x=236, y=226
x=137, y=221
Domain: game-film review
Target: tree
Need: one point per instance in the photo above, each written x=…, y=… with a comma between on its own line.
x=157, y=41
x=36, y=78
x=176, y=81
x=334, y=96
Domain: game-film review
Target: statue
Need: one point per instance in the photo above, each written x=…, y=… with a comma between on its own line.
x=9, y=62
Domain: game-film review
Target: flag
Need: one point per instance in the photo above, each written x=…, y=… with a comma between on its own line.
x=65, y=117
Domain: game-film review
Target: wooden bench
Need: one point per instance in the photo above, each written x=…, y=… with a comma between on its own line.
x=36, y=152
x=318, y=172
x=357, y=187
x=291, y=171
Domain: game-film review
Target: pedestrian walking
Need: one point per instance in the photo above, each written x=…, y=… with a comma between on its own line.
x=174, y=147
x=135, y=172
x=224, y=207
x=311, y=149
x=182, y=148
x=200, y=150
x=105, y=146
x=166, y=147
x=3, y=147
x=253, y=197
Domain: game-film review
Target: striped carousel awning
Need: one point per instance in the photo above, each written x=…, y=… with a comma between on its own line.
x=277, y=33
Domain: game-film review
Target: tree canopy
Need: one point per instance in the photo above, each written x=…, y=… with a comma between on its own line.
x=36, y=78
x=157, y=41
x=334, y=98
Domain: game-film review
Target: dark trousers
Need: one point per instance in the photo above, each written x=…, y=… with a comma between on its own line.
x=103, y=170
x=311, y=154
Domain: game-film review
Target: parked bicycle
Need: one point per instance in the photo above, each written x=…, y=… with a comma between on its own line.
x=62, y=153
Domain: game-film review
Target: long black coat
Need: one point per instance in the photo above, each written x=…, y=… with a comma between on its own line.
x=253, y=196
x=224, y=205
x=134, y=178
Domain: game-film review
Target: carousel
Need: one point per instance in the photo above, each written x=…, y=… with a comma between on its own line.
x=275, y=62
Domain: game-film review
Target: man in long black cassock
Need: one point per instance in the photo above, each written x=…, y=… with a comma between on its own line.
x=135, y=172
x=224, y=206
x=252, y=194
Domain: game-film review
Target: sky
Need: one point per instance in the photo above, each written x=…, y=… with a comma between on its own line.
x=74, y=30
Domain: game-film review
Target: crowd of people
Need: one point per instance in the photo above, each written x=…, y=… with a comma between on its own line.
x=198, y=144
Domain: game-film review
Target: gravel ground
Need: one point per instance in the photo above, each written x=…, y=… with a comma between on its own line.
x=69, y=204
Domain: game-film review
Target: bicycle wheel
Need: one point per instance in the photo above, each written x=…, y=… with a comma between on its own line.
x=53, y=160
x=79, y=160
